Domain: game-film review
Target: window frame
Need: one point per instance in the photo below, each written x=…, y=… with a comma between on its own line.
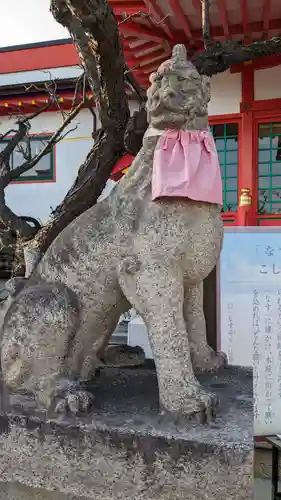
x=32, y=179
x=262, y=117
x=230, y=217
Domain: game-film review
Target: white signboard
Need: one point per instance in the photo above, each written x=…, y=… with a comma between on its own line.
x=250, y=278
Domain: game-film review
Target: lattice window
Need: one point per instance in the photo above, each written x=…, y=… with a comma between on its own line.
x=269, y=168
x=44, y=170
x=226, y=138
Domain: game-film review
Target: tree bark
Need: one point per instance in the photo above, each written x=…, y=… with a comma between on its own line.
x=91, y=180
x=219, y=56
x=94, y=30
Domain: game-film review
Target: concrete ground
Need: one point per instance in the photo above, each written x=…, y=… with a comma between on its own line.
x=262, y=489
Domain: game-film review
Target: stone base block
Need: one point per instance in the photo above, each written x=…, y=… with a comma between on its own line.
x=124, y=451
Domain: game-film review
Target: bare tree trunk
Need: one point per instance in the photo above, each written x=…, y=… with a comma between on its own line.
x=94, y=30
x=91, y=180
x=206, y=22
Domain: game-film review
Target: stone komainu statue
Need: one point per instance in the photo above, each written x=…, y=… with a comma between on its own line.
x=135, y=249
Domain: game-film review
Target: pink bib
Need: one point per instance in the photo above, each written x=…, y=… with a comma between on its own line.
x=186, y=165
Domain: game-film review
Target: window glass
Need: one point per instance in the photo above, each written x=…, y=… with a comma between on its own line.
x=226, y=139
x=269, y=168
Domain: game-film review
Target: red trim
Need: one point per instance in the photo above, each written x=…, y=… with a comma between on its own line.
x=261, y=63
x=228, y=218
x=246, y=151
x=269, y=216
x=267, y=62
x=246, y=173
x=229, y=118
x=260, y=439
x=247, y=84
x=27, y=104
x=267, y=105
x=38, y=58
x=266, y=220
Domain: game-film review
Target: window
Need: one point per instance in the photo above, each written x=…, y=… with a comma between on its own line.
x=226, y=139
x=269, y=168
x=44, y=170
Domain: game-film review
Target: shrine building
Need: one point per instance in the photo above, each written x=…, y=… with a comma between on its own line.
x=245, y=108
x=244, y=111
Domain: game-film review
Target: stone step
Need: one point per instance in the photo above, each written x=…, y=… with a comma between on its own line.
x=262, y=489
x=120, y=336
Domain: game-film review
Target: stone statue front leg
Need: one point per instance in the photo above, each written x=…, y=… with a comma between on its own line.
x=157, y=293
x=204, y=358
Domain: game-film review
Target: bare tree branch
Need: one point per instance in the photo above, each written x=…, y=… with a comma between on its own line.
x=90, y=22
x=94, y=30
x=206, y=22
x=30, y=163
x=11, y=220
x=21, y=225
x=13, y=142
x=219, y=56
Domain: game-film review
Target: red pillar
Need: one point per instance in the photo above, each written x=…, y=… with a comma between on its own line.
x=246, y=214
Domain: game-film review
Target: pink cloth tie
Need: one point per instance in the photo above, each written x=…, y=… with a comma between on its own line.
x=186, y=165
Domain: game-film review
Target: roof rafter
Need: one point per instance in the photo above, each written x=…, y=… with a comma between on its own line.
x=131, y=28
x=266, y=15
x=177, y=10
x=223, y=16
x=155, y=12
x=245, y=17
x=197, y=5
x=142, y=62
x=143, y=50
x=128, y=8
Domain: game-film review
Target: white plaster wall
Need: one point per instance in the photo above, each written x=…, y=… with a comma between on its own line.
x=267, y=83
x=226, y=94
x=38, y=199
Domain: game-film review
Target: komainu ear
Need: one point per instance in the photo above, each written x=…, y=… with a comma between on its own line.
x=152, y=77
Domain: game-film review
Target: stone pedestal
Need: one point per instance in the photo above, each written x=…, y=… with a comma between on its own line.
x=124, y=451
